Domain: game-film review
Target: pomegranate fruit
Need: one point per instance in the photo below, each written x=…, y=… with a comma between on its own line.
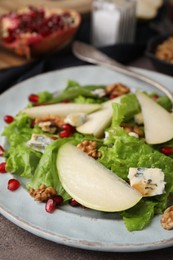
x=34, y=31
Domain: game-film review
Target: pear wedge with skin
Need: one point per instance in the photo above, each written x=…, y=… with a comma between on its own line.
x=98, y=121
x=158, y=122
x=62, y=109
x=92, y=184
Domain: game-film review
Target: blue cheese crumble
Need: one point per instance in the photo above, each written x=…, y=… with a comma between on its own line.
x=148, y=181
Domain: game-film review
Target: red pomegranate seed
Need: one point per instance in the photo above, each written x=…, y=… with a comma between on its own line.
x=113, y=96
x=65, y=133
x=2, y=167
x=8, y=119
x=58, y=200
x=13, y=184
x=155, y=97
x=68, y=127
x=74, y=203
x=167, y=150
x=33, y=123
x=33, y=98
x=50, y=206
x=1, y=150
x=65, y=101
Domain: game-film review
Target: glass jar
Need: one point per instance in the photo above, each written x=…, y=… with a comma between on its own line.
x=113, y=21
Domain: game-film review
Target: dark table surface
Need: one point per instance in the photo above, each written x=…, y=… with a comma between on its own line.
x=18, y=244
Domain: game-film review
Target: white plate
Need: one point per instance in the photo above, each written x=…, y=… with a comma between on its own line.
x=76, y=227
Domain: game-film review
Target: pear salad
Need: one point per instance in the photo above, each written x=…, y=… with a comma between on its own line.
x=100, y=147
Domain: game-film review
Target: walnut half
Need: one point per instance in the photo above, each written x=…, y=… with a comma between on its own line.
x=43, y=193
x=167, y=218
x=89, y=147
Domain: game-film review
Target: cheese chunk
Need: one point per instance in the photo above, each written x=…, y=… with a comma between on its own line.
x=148, y=181
x=39, y=142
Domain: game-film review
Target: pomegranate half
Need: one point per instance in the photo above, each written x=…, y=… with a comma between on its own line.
x=34, y=31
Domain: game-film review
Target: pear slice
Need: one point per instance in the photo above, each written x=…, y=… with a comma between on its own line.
x=91, y=184
x=60, y=109
x=158, y=122
x=98, y=121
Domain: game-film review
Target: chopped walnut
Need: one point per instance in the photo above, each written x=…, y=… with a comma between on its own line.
x=133, y=128
x=50, y=123
x=167, y=218
x=89, y=147
x=43, y=193
x=117, y=89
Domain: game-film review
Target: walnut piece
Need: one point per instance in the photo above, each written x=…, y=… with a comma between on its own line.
x=167, y=218
x=133, y=128
x=43, y=193
x=50, y=123
x=89, y=147
x=117, y=89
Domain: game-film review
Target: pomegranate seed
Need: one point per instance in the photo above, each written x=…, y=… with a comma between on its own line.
x=8, y=119
x=73, y=203
x=113, y=96
x=167, y=150
x=58, y=200
x=65, y=101
x=33, y=123
x=155, y=97
x=1, y=150
x=2, y=167
x=13, y=184
x=65, y=133
x=68, y=127
x=50, y=206
x=33, y=98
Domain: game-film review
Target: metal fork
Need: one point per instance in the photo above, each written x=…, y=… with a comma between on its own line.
x=90, y=54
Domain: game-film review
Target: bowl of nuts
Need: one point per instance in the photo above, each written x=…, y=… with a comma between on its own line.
x=160, y=52
x=34, y=31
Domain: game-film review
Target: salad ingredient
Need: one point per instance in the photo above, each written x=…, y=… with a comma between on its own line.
x=65, y=133
x=96, y=123
x=60, y=109
x=74, y=203
x=76, y=119
x=58, y=200
x=90, y=148
x=158, y=122
x=3, y=167
x=8, y=119
x=148, y=181
x=116, y=90
x=167, y=150
x=96, y=187
x=33, y=98
x=39, y=142
x=13, y=184
x=43, y=193
x=167, y=218
x=50, y=206
x=68, y=127
x=1, y=150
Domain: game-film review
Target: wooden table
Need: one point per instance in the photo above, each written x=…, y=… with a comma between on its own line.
x=7, y=59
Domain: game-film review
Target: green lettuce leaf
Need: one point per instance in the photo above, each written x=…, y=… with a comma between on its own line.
x=74, y=90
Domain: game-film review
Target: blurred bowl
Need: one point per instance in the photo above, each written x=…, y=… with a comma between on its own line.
x=161, y=61
x=36, y=31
